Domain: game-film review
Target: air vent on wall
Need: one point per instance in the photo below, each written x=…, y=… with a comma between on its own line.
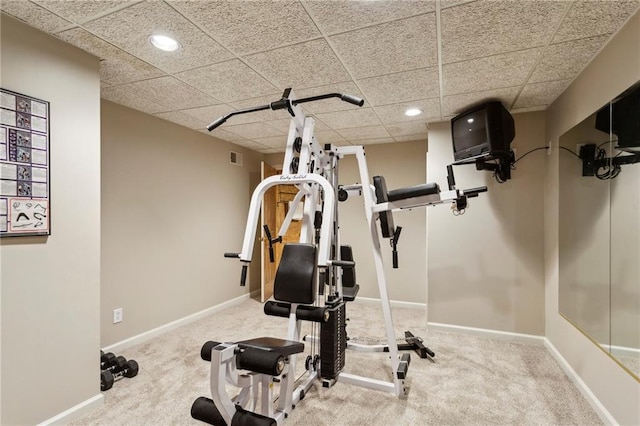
x=235, y=158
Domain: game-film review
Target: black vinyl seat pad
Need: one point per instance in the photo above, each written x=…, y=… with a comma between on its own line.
x=272, y=344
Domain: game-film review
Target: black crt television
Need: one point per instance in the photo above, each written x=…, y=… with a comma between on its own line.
x=622, y=118
x=484, y=131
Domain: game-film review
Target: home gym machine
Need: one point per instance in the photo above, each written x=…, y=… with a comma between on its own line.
x=309, y=281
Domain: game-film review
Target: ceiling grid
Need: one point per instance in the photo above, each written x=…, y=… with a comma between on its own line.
x=438, y=56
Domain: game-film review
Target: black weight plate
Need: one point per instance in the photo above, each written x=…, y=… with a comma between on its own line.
x=108, y=358
x=118, y=363
x=132, y=369
x=106, y=380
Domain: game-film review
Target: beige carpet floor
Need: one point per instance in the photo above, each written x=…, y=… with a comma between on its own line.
x=474, y=381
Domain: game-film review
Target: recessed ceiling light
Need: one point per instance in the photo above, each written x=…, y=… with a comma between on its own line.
x=412, y=112
x=165, y=43
x=470, y=120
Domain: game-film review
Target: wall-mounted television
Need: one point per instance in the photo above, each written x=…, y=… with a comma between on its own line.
x=625, y=113
x=484, y=131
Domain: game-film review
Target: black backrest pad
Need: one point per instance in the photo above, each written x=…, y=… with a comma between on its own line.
x=348, y=274
x=413, y=191
x=296, y=276
x=386, y=218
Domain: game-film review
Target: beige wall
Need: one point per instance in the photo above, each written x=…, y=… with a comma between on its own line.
x=51, y=286
x=615, y=68
x=401, y=164
x=172, y=205
x=485, y=268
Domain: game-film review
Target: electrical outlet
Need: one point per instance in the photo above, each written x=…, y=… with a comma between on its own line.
x=117, y=315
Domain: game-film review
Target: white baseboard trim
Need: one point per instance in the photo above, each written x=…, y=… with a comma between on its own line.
x=394, y=303
x=75, y=412
x=621, y=351
x=147, y=335
x=529, y=339
x=593, y=401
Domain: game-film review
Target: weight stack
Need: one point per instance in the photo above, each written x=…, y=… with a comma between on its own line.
x=333, y=342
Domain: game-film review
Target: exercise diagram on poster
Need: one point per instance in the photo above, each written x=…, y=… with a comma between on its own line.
x=24, y=165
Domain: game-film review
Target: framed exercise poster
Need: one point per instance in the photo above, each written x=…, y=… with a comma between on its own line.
x=24, y=165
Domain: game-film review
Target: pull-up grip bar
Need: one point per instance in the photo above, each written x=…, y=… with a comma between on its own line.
x=286, y=103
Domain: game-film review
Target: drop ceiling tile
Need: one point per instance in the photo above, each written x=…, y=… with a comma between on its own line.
x=400, y=87
x=331, y=104
x=130, y=29
x=250, y=144
x=530, y=109
x=124, y=95
x=329, y=136
x=450, y=3
x=590, y=18
x=210, y=113
x=566, y=60
x=172, y=93
x=350, y=118
x=279, y=142
x=116, y=66
x=270, y=151
x=396, y=113
x=182, y=119
x=392, y=47
x=492, y=72
x=250, y=26
x=223, y=135
x=360, y=133
x=541, y=94
x=335, y=17
x=455, y=104
x=282, y=125
x=374, y=141
x=254, y=130
x=406, y=129
x=487, y=28
x=411, y=138
x=320, y=125
x=228, y=81
x=33, y=15
x=83, y=10
x=308, y=64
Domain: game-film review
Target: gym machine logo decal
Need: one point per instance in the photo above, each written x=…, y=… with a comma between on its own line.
x=293, y=177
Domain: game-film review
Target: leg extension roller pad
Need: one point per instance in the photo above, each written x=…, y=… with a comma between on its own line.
x=259, y=361
x=205, y=410
x=205, y=352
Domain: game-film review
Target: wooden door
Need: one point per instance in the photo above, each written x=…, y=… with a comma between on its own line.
x=268, y=217
x=285, y=194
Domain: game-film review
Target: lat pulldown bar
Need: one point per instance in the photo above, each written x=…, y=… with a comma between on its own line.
x=286, y=103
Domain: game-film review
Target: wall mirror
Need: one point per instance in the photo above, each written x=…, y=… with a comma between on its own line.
x=599, y=239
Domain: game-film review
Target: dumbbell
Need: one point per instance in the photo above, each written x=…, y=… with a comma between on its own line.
x=114, y=364
x=106, y=359
x=109, y=367
x=107, y=378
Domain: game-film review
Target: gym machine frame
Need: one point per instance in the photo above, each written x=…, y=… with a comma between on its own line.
x=314, y=171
